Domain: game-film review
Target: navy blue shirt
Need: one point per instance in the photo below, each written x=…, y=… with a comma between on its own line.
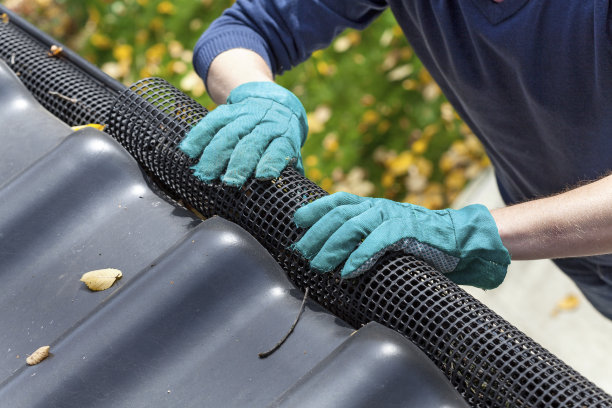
x=532, y=79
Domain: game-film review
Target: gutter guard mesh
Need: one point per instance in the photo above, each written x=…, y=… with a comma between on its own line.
x=63, y=88
x=489, y=361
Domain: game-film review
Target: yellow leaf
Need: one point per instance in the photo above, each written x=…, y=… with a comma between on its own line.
x=101, y=279
x=39, y=355
x=569, y=302
x=92, y=125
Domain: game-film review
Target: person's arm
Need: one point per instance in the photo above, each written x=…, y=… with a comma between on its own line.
x=574, y=223
x=235, y=67
x=283, y=32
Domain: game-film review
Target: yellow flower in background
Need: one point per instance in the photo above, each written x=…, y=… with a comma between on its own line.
x=429, y=131
x=327, y=184
x=460, y=148
x=318, y=118
x=455, y=180
x=383, y=126
x=325, y=68
x=156, y=24
x=410, y=84
x=144, y=73
x=123, y=52
x=354, y=37
x=485, y=161
x=447, y=113
x=100, y=41
x=314, y=174
x=192, y=83
x=424, y=166
x=370, y=117
x=311, y=160
x=388, y=179
x=400, y=164
x=342, y=44
x=330, y=142
x=155, y=53
x=175, y=49
x=94, y=15
x=419, y=147
x=177, y=67
x=165, y=7
x=142, y=36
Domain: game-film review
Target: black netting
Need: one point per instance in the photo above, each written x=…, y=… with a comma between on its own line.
x=487, y=359
x=63, y=89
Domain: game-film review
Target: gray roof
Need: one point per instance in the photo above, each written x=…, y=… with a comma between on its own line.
x=197, y=302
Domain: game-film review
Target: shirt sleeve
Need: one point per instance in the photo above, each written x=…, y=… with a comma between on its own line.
x=283, y=32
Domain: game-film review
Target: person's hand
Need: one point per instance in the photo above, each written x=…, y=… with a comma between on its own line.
x=463, y=244
x=260, y=130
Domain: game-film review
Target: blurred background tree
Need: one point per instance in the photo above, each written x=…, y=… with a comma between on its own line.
x=379, y=125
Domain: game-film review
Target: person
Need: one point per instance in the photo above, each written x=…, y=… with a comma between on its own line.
x=532, y=79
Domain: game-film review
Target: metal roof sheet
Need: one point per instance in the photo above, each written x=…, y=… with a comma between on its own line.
x=196, y=304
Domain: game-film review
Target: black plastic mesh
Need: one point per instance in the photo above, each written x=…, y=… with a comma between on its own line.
x=488, y=360
x=63, y=89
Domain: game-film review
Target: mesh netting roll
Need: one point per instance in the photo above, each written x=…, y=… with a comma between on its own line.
x=65, y=84
x=488, y=360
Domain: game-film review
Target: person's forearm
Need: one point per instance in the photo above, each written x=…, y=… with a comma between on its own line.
x=575, y=223
x=232, y=68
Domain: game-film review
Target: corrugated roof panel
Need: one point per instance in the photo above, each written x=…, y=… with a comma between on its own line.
x=196, y=304
x=21, y=116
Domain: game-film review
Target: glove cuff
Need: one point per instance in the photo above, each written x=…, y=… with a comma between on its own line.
x=484, y=258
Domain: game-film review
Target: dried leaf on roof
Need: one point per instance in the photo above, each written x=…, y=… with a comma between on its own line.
x=101, y=279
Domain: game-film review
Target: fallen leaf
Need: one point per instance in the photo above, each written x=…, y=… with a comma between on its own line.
x=101, y=279
x=39, y=355
x=92, y=125
x=55, y=51
x=569, y=302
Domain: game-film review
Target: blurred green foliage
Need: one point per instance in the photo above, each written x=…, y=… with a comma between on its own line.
x=379, y=125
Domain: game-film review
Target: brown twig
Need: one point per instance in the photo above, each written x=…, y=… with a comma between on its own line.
x=280, y=343
x=72, y=100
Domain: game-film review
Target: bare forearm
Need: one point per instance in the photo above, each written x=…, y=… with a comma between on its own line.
x=575, y=223
x=232, y=68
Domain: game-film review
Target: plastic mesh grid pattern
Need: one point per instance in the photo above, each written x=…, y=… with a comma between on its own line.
x=490, y=362
x=64, y=90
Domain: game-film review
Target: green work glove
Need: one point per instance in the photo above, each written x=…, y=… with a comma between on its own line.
x=463, y=244
x=259, y=130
